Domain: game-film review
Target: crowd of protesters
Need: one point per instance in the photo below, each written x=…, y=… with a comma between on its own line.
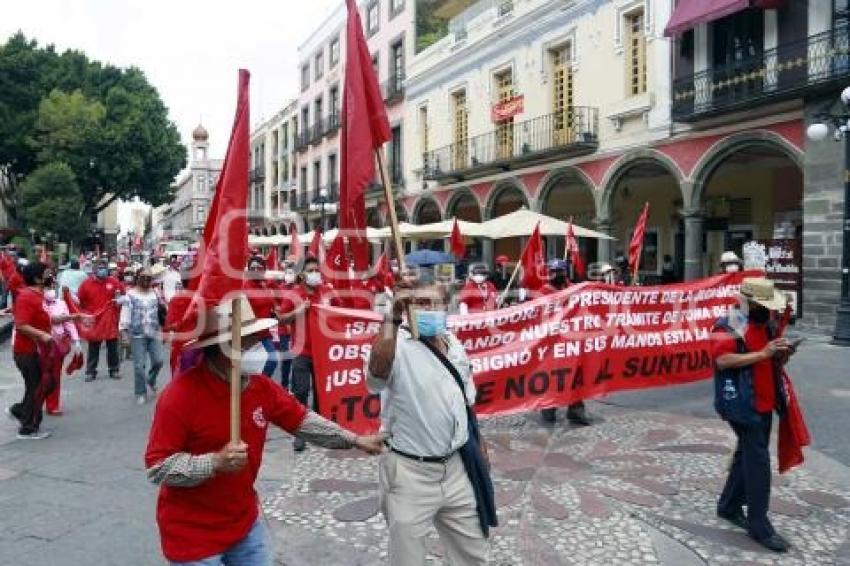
x=430, y=434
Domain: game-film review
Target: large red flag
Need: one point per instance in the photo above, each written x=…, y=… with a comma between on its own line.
x=315, y=249
x=295, y=243
x=534, y=273
x=574, y=253
x=365, y=128
x=636, y=244
x=383, y=273
x=271, y=259
x=457, y=244
x=223, y=250
x=336, y=264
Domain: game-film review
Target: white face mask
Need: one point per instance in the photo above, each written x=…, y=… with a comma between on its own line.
x=254, y=360
x=289, y=277
x=50, y=295
x=732, y=268
x=479, y=279
x=313, y=279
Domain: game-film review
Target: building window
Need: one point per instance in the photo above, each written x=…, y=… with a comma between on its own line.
x=333, y=96
x=505, y=130
x=635, y=53
x=317, y=110
x=305, y=77
x=423, y=128
x=397, y=63
x=319, y=64
x=284, y=137
x=302, y=178
x=373, y=14
x=334, y=50
x=562, y=94
x=375, y=66
x=395, y=157
x=396, y=7
x=305, y=118
x=200, y=213
x=317, y=178
x=333, y=190
x=461, y=129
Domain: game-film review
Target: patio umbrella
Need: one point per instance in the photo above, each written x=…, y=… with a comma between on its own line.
x=442, y=229
x=523, y=221
x=428, y=258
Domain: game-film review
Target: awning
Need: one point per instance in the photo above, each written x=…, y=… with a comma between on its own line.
x=688, y=14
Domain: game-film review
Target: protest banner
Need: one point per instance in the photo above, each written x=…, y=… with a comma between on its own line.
x=584, y=342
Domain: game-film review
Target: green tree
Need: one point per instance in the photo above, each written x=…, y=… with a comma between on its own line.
x=52, y=202
x=127, y=146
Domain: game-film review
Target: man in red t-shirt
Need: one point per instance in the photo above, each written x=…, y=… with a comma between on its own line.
x=208, y=509
x=261, y=295
x=97, y=296
x=32, y=331
x=293, y=312
x=749, y=475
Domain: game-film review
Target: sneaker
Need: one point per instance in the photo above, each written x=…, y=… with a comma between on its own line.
x=37, y=435
x=774, y=542
x=90, y=377
x=141, y=399
x=114, y=375
x=738, y=519
x=548, y=415
x=152, y=387
x=299, y=445
x=8, y=412
x=578, y=416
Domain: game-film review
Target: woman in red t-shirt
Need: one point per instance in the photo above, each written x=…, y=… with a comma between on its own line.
x=32, y=331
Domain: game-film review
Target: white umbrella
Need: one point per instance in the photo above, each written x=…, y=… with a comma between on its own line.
x=434, y=230
x=523, y=221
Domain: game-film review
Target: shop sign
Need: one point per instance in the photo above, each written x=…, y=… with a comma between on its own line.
x=509, y=108
x=781, y=260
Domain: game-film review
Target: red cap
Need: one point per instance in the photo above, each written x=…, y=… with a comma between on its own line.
x=502, y=259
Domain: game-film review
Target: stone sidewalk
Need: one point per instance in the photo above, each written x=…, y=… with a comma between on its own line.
x=636, y=488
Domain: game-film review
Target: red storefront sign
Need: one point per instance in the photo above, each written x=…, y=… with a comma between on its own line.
x=586, y=341
x=509, y=108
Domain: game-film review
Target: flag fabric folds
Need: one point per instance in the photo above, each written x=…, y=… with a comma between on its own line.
x=315, y=249
x=574, y=253
x=534, y=272
x=365, y=128
x=271, y=259
x=636, y=244
x=458, y=246
x=295, y=245
x=335, y=265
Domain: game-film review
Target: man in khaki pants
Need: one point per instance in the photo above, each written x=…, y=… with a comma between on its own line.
x=423, y=410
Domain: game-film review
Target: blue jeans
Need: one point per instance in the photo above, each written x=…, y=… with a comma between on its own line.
x=285, y=361
x=253, y=550
x=143, y=347
x=271, y=362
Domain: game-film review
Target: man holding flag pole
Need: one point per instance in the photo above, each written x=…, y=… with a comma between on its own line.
x=209, y=428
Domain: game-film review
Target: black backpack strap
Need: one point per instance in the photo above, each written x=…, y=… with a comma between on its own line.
x=740, y=344
x=449, y=366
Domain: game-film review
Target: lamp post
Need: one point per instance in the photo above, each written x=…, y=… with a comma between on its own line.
x=320, y=204
x=819, y=131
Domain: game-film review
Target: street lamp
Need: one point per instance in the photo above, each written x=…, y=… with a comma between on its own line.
x=819, y=131
x=321, y=204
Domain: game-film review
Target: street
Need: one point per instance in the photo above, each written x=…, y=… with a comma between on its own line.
x=638, y=487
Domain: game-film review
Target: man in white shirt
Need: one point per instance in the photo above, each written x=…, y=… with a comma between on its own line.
x=171, y=281
x=423, y=411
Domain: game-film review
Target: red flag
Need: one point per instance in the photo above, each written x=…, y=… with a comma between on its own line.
x=271, y=259
x=223, y=250
x=336, y=264
x=295, y=243
x=365, y=128
x=383, y=273
x=636, y=244
x=96, y=326
x=9, y=272
x=534, y=273
x=574, y=253
x=457, y=244
x=315, y=248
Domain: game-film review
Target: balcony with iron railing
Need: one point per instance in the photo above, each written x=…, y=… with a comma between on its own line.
x=547, y=138
x=393, y=89
x=302, y=139
x=301, y=200
x=333, y=191
x=332, y=123
x=257, y=174
x=816, y=63
x=317, y=131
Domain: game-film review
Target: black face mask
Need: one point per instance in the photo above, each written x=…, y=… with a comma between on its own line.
x=759, y=315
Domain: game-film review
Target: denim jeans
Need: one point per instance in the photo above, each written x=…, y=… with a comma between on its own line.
x=144, y=346
x=271, y=351
x=285, y=361
x=253, y=550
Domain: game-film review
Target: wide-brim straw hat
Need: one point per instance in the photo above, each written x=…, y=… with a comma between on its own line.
x=218, y=323
x=730, y=257
x=762, y=291
x=157, y=269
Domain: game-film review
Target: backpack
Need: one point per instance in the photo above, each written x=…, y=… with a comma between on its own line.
x=734, y=395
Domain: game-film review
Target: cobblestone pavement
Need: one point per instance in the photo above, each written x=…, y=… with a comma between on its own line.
x=636, y=488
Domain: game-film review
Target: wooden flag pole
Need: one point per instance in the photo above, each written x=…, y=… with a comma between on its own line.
x=383, y=171
x=508, y=286
x=235, y=370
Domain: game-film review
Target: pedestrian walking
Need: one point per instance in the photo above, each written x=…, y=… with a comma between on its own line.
x=748, y=389
x=208, y=508
x=434, y=472
x=140, y=327
x=97, y=296
x=32, y=332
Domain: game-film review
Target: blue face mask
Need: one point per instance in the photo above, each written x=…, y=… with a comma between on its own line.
x=101, y=273
x=430, y=323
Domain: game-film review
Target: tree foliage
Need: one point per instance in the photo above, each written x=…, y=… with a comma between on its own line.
x=52, y=202
x=108, y=125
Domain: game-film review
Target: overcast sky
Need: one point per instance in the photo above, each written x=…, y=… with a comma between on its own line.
x=189, y=49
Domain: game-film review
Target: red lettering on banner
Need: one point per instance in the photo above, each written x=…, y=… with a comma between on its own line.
x=584, y=342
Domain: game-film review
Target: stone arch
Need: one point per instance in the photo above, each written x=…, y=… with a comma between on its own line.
x=426, y=205
x=552, y=178
x=720, y=151
x=502, y=188
x=627, y=162
x=282, y=230
x=273, y=230
x=460, y=197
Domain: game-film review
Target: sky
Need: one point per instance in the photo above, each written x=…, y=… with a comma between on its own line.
x=190, y=50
